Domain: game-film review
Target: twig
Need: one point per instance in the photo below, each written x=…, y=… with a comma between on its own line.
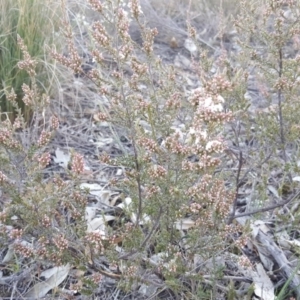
x=154, y=228
x=251, y=169
x=237, y=188
x=291, y=198
x=239, y=182
x=105, y=273
x=281, y=125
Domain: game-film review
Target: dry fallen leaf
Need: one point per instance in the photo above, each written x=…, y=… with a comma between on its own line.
x=54, y=277
x=99, y=224
x=98, y=191
x=263, y=286
x=62, y=158
x=127, y=205
x=257, y=226
x=9, y=254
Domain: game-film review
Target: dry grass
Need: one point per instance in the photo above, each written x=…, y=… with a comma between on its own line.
x=37, y=23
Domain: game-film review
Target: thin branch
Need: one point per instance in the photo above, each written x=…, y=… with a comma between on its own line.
x=288, y=200
x=251, y=169
x=237, y=188
x=139, y=184
x=149, y=235
x=105, y=273
x=281, y=121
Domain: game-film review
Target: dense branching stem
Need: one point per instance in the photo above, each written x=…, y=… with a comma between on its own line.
x=139, y=183
x=279, y=96
x=281, y=119
x=237, y=188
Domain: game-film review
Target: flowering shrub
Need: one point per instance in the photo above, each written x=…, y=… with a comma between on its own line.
x=175, y=203
x=40, y=219
x=180, y=176
x=176, y=140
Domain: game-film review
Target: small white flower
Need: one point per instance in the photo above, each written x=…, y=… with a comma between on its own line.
x=195, y=137
x=178, y=131
x=215, y=106
x=138, y=5
x=212, y=144
x=206, y=100
x=192, y=131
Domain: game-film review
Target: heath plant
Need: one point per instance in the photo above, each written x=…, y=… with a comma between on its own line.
x=191, y=151
x=42, y=219
x=37, y=23
x=265, y=100
x=176, y=206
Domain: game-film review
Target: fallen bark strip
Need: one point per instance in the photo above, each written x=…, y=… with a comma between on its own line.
x=281, y=260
